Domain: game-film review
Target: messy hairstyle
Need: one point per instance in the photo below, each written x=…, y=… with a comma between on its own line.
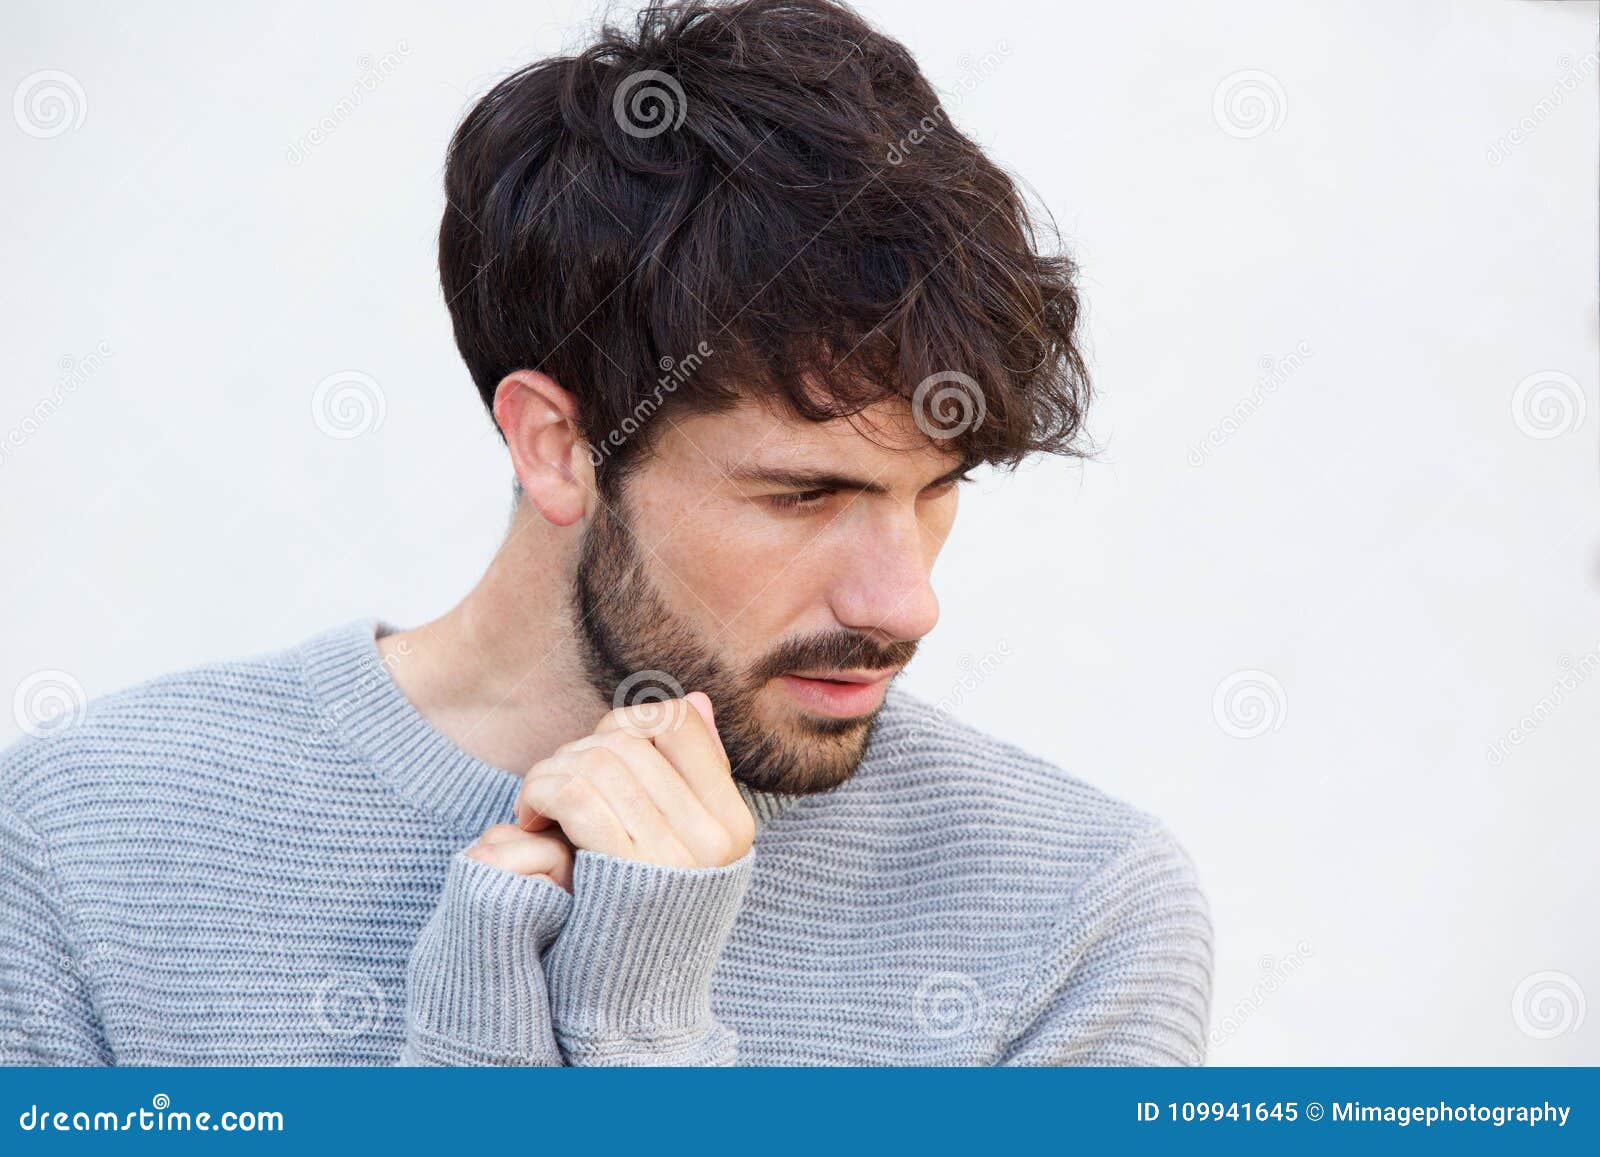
x=761, y=198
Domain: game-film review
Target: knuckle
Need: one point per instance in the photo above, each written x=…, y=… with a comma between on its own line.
x=598, y=758
x=721, y=848
x=574, y=792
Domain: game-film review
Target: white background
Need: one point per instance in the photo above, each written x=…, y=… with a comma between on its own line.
x=1382, y=536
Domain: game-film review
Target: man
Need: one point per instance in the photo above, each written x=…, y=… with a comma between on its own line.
x=745, y=308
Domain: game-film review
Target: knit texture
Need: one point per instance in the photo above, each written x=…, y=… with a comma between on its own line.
x=258, y=863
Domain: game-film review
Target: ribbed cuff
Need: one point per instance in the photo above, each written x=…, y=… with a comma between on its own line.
x=475, y=992
x=633, y=964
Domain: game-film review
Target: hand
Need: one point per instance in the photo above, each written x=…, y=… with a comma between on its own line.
x=545, y=855
x=652, y=783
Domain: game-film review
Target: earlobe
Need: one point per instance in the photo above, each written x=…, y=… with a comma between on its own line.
x=538, y=419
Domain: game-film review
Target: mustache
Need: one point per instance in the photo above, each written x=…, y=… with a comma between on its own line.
x=834, y=650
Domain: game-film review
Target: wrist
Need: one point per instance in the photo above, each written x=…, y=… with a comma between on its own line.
x=475, y=982
x=635, y=958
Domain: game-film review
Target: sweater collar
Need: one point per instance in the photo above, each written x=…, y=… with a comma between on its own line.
x=360, y=706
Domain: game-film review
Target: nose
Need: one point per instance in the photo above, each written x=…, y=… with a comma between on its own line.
x=884, y=583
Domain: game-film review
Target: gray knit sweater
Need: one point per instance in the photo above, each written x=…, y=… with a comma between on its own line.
x=257, y=863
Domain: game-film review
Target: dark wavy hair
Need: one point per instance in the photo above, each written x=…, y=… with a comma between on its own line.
x=756, y=198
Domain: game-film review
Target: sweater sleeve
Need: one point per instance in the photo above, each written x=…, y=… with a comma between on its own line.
x=1125, y=979
x=510, y=970
x=46, y=1014
x=630, y=974
x=475, y=992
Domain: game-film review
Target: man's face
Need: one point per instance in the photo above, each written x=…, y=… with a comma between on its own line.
x=780, y=566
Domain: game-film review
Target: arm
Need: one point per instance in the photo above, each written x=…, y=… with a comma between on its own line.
x=475, y=992
x=644, y=826
x=629, y=961
x=630, y=975
x=46, y=1015
x=1125, y=978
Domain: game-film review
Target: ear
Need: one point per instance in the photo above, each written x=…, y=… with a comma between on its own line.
x=539, y=420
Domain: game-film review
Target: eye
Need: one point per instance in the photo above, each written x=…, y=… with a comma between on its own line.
x=800, y=499
x=941, y=488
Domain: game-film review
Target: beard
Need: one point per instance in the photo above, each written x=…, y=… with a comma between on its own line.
x=632, y=640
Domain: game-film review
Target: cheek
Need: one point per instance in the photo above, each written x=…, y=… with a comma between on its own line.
x=750, y=579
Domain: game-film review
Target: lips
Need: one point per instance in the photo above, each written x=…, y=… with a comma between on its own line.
x=844, y=676
x=838, y=694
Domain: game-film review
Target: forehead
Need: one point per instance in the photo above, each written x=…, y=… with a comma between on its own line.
x=882, y=441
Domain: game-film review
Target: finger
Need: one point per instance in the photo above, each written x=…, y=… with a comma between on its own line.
x=556, y=790
x=500, y=833
x=528, y=819
x=527, y=855
x=696, y=750
x=653, y=838
x=646, y=720
x=702, y=703
x=675, y=724
x=695, y=827
x=679, y=730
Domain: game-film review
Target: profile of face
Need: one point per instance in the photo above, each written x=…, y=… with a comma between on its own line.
x=779, y=565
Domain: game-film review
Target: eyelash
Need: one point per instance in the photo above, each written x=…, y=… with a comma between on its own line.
x=801, y=499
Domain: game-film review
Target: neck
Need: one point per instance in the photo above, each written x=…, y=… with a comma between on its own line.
x=500, y=674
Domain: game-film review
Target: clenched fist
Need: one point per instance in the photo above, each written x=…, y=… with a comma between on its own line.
x=651, y=783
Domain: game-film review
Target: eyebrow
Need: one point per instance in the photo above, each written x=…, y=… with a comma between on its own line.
x=796, y=479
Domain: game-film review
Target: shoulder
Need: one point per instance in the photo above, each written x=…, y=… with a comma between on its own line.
x=131, y=741
x=1000, y=801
